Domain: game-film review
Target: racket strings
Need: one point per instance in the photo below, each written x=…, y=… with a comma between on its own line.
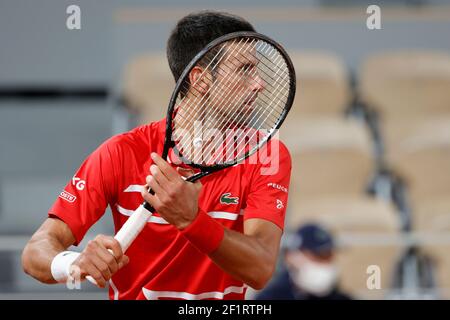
x=267, y=82
x=267, y=106
x=262, y=97
x=243, y=143
x=207, y=137
x=203, y=97
x=188, y=120
x=196, y=104
x=246, y=139
x=238, y=147
x=261, y=94
x=237, y=142
x=254, y=93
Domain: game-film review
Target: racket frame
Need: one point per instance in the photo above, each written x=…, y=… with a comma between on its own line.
x=169, y=143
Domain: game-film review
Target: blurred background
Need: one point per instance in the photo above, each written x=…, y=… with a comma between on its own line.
x=369, y=132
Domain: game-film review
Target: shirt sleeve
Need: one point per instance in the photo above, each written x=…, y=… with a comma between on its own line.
x=86, y=196
x=268, y=195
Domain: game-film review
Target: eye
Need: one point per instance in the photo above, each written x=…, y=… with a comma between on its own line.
x=246, y=67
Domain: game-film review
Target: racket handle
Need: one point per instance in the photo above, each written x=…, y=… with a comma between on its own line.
x=91, y=280
x=132, y=227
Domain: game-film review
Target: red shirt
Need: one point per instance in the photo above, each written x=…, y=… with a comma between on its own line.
x=164, y=264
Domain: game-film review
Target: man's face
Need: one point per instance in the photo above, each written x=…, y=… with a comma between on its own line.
x=236, y=83
x=223, y=95
x=236, y=95
x=311, y=272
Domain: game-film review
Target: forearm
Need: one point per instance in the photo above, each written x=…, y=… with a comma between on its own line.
x=50, y=239
x=249, y=256
x=37, y=257
x=245, y=258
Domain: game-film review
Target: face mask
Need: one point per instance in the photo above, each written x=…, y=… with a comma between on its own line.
x=315, y=278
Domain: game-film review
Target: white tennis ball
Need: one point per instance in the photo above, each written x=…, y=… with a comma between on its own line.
x=197, y=142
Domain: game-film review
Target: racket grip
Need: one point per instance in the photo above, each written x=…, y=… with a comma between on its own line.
x=91, y=280
x=132, y=227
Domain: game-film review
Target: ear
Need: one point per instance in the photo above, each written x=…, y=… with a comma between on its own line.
x=198, y=78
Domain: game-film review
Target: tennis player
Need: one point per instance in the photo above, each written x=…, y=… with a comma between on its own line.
x=207, y=240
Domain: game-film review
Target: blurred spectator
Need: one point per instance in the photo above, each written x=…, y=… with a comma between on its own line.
x=310, y=272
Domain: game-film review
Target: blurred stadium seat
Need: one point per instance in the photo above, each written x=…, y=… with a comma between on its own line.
x=413, y=132
x=355, y=259
x=346, y=213
x=148, y=85
x=422, y=158
x=330, y=155
x=432, y=215
x=319, y=72
x=403, y=83
x=411, y=92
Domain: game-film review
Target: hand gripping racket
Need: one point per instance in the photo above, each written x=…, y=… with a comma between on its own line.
x=228, y=102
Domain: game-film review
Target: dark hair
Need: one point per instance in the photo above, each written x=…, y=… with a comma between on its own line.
x=193, y=32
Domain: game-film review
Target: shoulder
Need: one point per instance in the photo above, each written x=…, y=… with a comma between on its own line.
x=138, y=139
x=278, y=146
x=273, y=159
x=273, y=149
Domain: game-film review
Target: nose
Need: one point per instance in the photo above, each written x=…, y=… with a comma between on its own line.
x=257, y=83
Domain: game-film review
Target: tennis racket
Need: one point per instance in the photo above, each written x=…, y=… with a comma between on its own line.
x=228, y=103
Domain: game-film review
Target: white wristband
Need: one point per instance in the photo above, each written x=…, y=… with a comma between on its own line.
x=61, y=263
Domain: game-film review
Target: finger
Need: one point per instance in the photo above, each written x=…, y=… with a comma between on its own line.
x=124, y=261
x=165, y=168
x=159, y=176
x=165, y=185
x=112, y=244
x=151, y=181
x=102, y=267
x=151, y=199
x=92, y=271
x=106, y=256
